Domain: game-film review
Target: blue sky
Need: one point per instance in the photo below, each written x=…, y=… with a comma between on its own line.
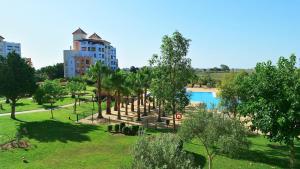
x=238, y=33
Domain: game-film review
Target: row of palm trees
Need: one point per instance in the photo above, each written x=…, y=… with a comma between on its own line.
x=124, y=87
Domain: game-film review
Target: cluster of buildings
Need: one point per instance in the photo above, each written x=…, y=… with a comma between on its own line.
x=86, y=51
x=7, y=47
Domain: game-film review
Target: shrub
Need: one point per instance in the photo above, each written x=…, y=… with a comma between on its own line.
x=161, y=151
x=167, y=122
x=117, y=128
x=109, y=128
x=135, y=130
x=126, y=130
x=122, y=125
x=39, y=96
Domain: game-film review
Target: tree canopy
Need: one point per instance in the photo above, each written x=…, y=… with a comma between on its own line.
x=16, y=80
x=218, y=135
x=271, y=97
x=175, y=69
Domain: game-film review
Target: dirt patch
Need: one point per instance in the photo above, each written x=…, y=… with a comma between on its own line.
x=13, y=144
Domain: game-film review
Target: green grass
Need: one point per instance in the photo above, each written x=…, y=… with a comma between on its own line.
x=218, y=76
x=28, y=104
x=61, y=143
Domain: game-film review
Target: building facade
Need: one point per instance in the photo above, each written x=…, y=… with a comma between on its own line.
x=87, y=51
x=7, y=47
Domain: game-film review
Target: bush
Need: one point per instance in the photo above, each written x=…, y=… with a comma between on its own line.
x=135, y=130
x=39, y=96
x=126, y=130
x=122, y=125
x=117, y=128
x=167, y=122
x=109, y=128
x=161, y=151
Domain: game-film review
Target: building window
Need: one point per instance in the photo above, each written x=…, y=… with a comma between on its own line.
x=83, y=48
x=103, y=56
x=87, y=62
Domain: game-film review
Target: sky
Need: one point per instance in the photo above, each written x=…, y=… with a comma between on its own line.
x=238, y=33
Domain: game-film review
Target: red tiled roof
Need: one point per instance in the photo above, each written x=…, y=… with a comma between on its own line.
x=1, y=37
x=79, y=31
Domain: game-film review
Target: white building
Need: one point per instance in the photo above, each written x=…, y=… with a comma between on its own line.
x=87, y=51
x=7, y=47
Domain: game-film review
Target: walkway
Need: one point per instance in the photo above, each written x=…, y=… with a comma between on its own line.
x=38, y=110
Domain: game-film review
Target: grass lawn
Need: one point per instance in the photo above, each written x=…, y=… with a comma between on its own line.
x=28, y=104
x=61, y=143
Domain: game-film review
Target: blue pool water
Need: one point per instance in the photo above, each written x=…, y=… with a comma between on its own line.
x=204, y=97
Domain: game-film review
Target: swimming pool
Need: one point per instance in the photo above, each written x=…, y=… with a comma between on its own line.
x=209, y=98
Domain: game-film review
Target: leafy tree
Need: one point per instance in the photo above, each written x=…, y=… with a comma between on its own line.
x=177, y=70
x=97, y=72
x=156, y=87
x=229, y=92
x=224, y=68
x=218, y=135
x=51, y=72
x=161, y=151
x=16, y=80
x=53, y=92
x=38, y=96
x=271, y=97
x=75, y=88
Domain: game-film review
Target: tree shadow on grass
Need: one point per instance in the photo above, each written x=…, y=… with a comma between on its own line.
x=48, y=107
x=51, y=130
x=277, y=155
x=21, y=104
x=198, y=158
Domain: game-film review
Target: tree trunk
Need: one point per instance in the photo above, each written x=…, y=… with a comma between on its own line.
x=142, y=100
x=153, y=102
x=51, y=110
x=163, y=109
x=75, y=105
x=99, y=100
x=145, y=105
x=126, y=105
x=149, y=106
x=159, y=112
x=209, y=162
x=116, y=105
x=138, y=108
x=292, y=155
x=173, y=114
x=119, y=105
x=132, y=104
x=78, y=99
x=13, y=109
x=108, y=105
x=122, y=105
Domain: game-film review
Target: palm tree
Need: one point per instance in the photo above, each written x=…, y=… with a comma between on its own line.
x=108, y=87
x=138, y=90
x=146, y=80
x=118, y=80
x=97, y=72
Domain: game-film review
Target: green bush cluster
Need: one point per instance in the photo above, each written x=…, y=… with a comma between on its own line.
x=127, y=130
x=109, y=128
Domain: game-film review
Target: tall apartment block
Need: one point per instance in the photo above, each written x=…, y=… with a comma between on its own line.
x=7, y=47
x=87, y=51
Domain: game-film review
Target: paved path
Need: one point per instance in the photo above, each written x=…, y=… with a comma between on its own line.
x=37, y=110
